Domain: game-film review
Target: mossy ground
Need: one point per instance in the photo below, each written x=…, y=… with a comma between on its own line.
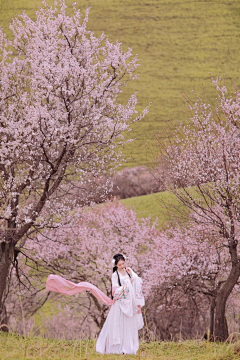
x=13, y=347
x=179, y=43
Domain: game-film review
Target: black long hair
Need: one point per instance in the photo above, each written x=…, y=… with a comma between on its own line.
x=117, y=258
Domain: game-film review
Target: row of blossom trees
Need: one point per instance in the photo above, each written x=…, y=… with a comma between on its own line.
x=194, y=258
x=181, y=267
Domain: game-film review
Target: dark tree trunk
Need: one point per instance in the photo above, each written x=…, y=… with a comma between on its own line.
x=221, y=328
x=3, y=319
x=212, y=317
x=6, y=257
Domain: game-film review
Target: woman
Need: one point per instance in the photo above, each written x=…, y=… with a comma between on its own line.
x=120, y=331
x=119, y=334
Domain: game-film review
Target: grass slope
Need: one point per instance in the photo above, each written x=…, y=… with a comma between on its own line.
x=152, y=205
x=13, y=347
x=179, y=43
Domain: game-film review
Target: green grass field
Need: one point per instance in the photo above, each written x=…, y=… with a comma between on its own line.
x=13, y=347
x=178, y=42
x=152, y=205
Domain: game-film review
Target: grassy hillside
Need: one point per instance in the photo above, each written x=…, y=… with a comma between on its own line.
x=179, y=43
x=152, y=205
x=13, y=347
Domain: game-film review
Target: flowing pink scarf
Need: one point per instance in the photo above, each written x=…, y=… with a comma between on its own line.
x=66, y=287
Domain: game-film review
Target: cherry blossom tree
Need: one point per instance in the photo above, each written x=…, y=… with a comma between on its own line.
x=85, y=247
x=203, y=161
x=61, y=119
x=188, y=265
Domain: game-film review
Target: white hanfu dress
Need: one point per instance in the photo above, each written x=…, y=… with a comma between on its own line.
x=119, y=334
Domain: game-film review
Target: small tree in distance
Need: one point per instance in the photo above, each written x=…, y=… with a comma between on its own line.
x=60, y=118
x=203, y=161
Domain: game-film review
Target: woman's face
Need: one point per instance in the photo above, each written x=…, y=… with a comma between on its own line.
x=120, y=265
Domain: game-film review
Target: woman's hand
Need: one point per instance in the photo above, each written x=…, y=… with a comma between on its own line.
x=139, y=309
